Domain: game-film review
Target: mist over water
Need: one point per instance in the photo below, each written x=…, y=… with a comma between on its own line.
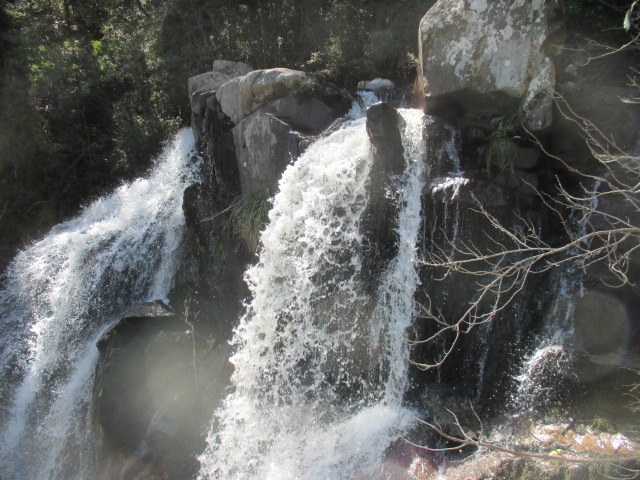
x=61, y=293
x=320, y=364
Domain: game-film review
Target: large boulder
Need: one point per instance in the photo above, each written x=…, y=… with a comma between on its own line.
x=121, y=397
x=272, y=137
x=205, y=83
x=244, y=95
x=265, y=146
x=251, y=122
x=155, y=391
x=487, y=58
x=273, y=110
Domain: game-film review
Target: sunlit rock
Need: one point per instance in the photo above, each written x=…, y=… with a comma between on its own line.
x=243, y=95
x=223, y=71
x=480, y=57
x=274, y=110
x=205, y=110
x=376, y=85
x=382, y=87
x=264, y=146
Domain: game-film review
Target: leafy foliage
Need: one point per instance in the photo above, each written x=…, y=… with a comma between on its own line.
x=502, y=150
x=89, y=89
x=77, y=110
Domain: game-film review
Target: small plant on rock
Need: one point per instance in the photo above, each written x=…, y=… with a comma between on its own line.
x=302, y=90
x=502, y=150
x=248, y=217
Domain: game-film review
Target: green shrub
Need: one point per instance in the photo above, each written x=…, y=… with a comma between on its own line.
x=502, y=150
x=248, y=217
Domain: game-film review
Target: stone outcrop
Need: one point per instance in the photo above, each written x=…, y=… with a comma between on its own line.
x=244, y=95
x=602, y=333
x=121, y=397
x=376, y=85
x=274, y=110
x=202, y=87
x=380, y=218
x=382, y=87
x=155, y=391
x=250, y=125
x=487, y=58
x=257, y=118
x=265, y=145
x=221, y=72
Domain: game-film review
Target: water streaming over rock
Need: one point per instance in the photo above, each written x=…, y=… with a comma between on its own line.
x=60, y=295
x=321, y=365
x=551, y=362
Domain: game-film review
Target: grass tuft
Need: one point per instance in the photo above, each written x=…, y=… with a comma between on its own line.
x=248, y=217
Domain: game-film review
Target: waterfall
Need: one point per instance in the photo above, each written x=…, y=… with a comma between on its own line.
x=551, y=363
x=59, y=297
x=320, y=364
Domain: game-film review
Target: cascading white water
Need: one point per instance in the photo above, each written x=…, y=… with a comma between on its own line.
x=61, y=294
x=551, y=359
x=320, y=365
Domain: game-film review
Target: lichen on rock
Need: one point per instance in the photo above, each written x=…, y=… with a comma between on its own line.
x=488, y=58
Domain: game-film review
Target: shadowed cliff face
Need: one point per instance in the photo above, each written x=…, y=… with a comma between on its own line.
x=380, y=218
x=539, y=350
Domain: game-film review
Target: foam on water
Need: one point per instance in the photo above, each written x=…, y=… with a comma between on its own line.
x=320, y=364
x=62, y=293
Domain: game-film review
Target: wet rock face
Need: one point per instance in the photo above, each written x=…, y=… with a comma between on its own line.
x=383, y=128
x=480, y=57
x=610, y=110
x=485, y=358
x=155, y=392
x=121, y=398
x=244, y=95
x=380, y=218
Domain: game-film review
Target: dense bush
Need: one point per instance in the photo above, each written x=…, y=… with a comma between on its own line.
x=78, y=110
x=89, y=89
